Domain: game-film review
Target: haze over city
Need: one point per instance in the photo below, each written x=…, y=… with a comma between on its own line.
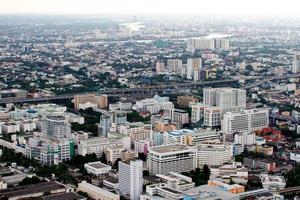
x=149, y=99
x=165, y=7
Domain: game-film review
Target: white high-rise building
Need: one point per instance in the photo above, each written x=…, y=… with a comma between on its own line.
x=245, y=138
x=197, y=112
x=296, y=62
x=56, y=126
x=222, y=43
x=131, y=179
x=208, y=43
x=171, y=158
x=174, y=65
x=214, y=154
x=228, y=99
x=105, y=124
x=212, y=116
x=246, y=120
x=200, y=43
x=193, y=65
x=160, y=68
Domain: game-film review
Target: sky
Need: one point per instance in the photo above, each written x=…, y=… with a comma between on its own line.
x=167, y=7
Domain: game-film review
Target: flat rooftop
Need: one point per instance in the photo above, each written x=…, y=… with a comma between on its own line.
x=168, y=148
x=64, y=196
x=97, y=165
x=31, y=189
x=210, y=192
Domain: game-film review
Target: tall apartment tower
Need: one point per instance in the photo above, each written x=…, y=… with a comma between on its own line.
x=174, y=65
x=56, y=126
x=131, y=179
x=296, y=62
x=194, y=65
x=106, y=121
x=228, y=99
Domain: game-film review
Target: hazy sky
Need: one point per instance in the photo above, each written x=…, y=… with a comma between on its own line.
x=192, y=7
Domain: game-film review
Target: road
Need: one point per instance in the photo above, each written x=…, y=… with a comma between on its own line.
x=149, y=89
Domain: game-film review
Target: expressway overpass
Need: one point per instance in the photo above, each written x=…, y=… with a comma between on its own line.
x=150, y=90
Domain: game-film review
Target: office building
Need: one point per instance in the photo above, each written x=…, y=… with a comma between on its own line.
x=105, y=124
x=56, y=126
x=97, y=192
x=213, y=154
x=171, y=158
x=131, y=179
x=212, y=116
x=296, y=62
x=177, y=115
x=228, y=99
x=97, y=168
x=174, y=65
x=245, y=120
x=194, y=65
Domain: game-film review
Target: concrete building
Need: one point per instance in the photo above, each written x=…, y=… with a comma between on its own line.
x=245, y=138
x=273, y=182
x=128, y=155
x=185, y=100
x=213, y=154
x=88, y=100
x=296, y=62
x=97, y=168
x=142, y=146
x=105, y=124
x=228, y=99
x=194, y=65
x=174, y=65
x=234, y=171
x=177, y=115
x=131, y=179
x=171, y=158
x=206, y=192
x=95, y=145
x=234, y=188
x=56, y=126
x=245, y=120
x=212, y=116
x=96, y=192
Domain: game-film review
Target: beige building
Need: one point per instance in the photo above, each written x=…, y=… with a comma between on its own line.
x=185, y=100
x=90, y=100
x=129, y=154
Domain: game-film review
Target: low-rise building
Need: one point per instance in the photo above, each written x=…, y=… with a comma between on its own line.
x=97, y=192
x=97, y=168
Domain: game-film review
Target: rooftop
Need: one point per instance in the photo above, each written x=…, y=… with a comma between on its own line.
x=169, y=148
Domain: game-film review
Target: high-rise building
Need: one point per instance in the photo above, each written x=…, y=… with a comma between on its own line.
x=296, y=62
x=246, y=120
x=56, y=126
x=212, y=116
x=105, y=124
x=131, y=179
x=213, y=154
x=228, y=99
x=208, y=43
x=221, y=43
x=177, y=115
x=171, y=158
x=160, y=68
x=194, y=66
x=174, y=65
